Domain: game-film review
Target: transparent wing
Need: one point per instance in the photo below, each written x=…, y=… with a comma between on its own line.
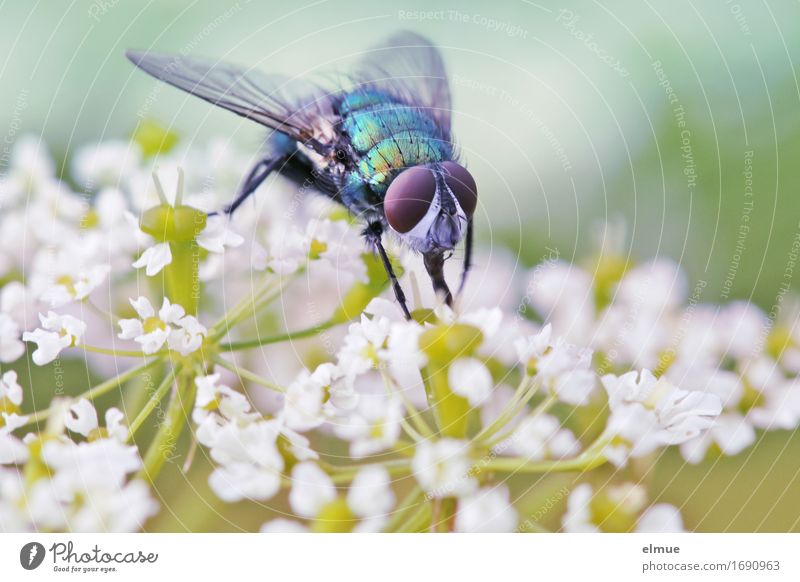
x=294, y=107
x=409, y=67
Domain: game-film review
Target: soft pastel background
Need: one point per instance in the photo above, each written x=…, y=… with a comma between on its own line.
x=563, y=119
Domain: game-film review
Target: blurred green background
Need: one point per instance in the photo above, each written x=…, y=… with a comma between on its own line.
x=676, y=119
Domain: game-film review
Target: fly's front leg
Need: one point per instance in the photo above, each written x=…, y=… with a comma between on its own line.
x=254, y=179
x=467, y=257
x=373, y=234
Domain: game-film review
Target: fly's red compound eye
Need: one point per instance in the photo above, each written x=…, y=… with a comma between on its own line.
x=462, y=184
x=409, y=197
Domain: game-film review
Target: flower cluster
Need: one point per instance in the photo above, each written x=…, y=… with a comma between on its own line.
x=279, y=348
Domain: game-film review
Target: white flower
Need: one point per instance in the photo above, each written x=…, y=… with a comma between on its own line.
x=538, y=437
x=183, y=332
x=648, y=413
x=364, y=340
x=30, y=166
x=488, y=510
x=82, y=418
x=75, y=286
x=404, y=357
x=563, y=294
x=303, y=403
x=57, y=333
x=470, y=378
x=87, y=489
x=12, y=450
x=10, y=388
x=11, y=348
x=627, y=502
x=655, y=286
x=117, y=510
x=338, y=244
x=107, y=163
x=249, y=462
x=70, y=271
x=154, y=258
x=283, y=526
x=660, y=518
x=373, y=425
x=565, y=370
x=312, y=489
x=731, y=432
x=99, y=463
x=217, y=235
x=745, y=326
x=370, y=494
x=230, y=404
x=188, y=336
x=532, y=348
x=443, y=469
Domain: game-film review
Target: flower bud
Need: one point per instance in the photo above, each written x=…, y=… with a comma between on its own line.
x=335, y=517
x=167, y=224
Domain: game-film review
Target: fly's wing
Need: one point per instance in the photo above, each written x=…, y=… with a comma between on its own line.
x=411, y=69
x=295, y=108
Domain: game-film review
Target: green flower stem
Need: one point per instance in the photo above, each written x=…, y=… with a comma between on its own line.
x=181, y=276
x=163, y=445
x=275, y=339
x=591, y=458
x=415, y=415
x=525, y=387
x=101, y=312
x=411, y=431
x=541, y=408
x=418, y=521
x=261, y=297
x=410, y=502
x=450, y=410
x=345, y=474
x=99, y=390
x=248, y=375
x=157, y=396
x=118, y=353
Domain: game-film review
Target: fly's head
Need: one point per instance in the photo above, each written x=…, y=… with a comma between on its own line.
x=429, y=206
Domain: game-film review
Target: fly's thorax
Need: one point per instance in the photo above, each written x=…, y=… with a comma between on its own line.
x=386, y=136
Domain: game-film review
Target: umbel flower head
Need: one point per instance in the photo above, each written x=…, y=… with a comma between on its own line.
x=268, y=344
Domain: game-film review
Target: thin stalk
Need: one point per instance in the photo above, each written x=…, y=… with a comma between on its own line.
x=276, y=339
x=415, y=415
x=98, y=390
x=418, y=520
x=163, y=445
x=519, y=396
x=100, y=311
x=248, y=375
x=118, y=353
x=591, y=458
x=541, y=408
x=408, y=503
x=251, y=304
x=345, y=474
x=158, y=396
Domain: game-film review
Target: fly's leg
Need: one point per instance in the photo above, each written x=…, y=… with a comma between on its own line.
x=254, y=179
x=434, y=264
x=467, y=257
x=373, y=234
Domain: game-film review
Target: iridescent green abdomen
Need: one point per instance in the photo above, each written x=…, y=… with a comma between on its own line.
x=388, y=136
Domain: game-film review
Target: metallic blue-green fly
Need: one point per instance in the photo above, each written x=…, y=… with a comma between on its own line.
x=379, y=143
